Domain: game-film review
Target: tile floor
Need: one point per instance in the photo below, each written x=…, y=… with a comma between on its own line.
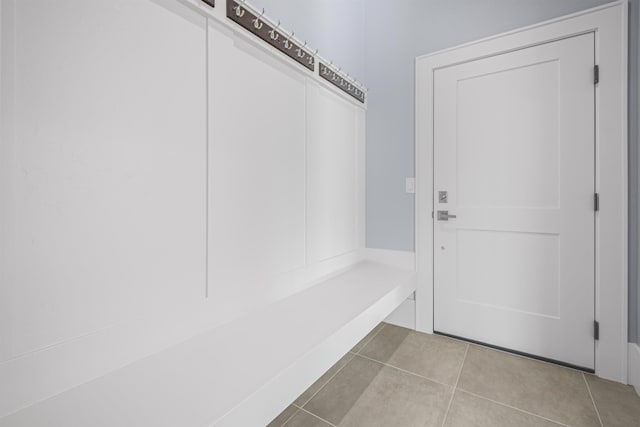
x=396, y=377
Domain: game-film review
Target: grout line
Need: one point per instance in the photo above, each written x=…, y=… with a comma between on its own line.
x=455, y=387
x=405, y=371
x=371, y=339
x=514, y=408
x=329, y=380
x=336, y=373
x=342, y=367
x=314, y=415
x=290, y=417
x=592, y=399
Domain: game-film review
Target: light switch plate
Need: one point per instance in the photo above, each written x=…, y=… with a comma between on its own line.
x=410, y=185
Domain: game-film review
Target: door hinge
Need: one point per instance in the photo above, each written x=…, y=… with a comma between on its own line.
x=432, y=215
x=596, y=202
x=596, y=74
x=596, y=330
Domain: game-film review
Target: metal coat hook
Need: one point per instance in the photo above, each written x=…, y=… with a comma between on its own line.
x=301, y=52
x=273, y=34
x=287, y=42
x=239, y=11
x=335, y=75
x=325, y=70
x=257, y=24
x=311, y=58
x=328, y=70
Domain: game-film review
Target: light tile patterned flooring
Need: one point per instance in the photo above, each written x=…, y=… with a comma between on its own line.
x=396, y=377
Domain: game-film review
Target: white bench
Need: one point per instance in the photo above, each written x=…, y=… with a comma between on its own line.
x=240, y=374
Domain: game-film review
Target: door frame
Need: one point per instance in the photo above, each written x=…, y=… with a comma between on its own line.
x=609, y=23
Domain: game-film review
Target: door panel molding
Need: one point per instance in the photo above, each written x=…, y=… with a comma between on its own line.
x=609, y=23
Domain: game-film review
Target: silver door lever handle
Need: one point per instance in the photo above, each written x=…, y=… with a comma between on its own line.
x=445, y=216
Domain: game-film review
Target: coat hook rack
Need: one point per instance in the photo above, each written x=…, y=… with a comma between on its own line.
x=254, y=21
x=342, y=81
x=257, y=23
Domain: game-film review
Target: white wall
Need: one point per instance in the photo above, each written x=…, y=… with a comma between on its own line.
x=105, y=210
x=161, y=173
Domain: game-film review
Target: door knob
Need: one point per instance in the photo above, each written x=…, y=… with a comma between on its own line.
x=445, y=216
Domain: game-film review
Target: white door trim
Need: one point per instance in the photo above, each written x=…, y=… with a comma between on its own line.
x=609, y=22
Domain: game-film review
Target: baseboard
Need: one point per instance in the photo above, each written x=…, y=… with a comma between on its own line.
x=404, y=315
x=634, y=366
x=399, y=259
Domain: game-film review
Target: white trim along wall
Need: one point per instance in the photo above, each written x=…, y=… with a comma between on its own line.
x=609, y=23
x=405, y=314
x=634, y=366
x=138, y=184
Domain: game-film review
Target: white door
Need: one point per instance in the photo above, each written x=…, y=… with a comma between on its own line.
x=514, y=152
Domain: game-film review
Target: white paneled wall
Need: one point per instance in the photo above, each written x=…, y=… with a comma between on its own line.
x=334, y=130
x=108, y=169
x=161, y=173
x=257, y=171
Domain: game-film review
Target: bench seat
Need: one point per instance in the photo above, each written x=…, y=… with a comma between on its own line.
x=239, y=374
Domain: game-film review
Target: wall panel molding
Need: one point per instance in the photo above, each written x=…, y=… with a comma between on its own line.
x=252, y=167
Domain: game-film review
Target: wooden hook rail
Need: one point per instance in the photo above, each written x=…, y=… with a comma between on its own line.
x=342, y=83
x=258, y=24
